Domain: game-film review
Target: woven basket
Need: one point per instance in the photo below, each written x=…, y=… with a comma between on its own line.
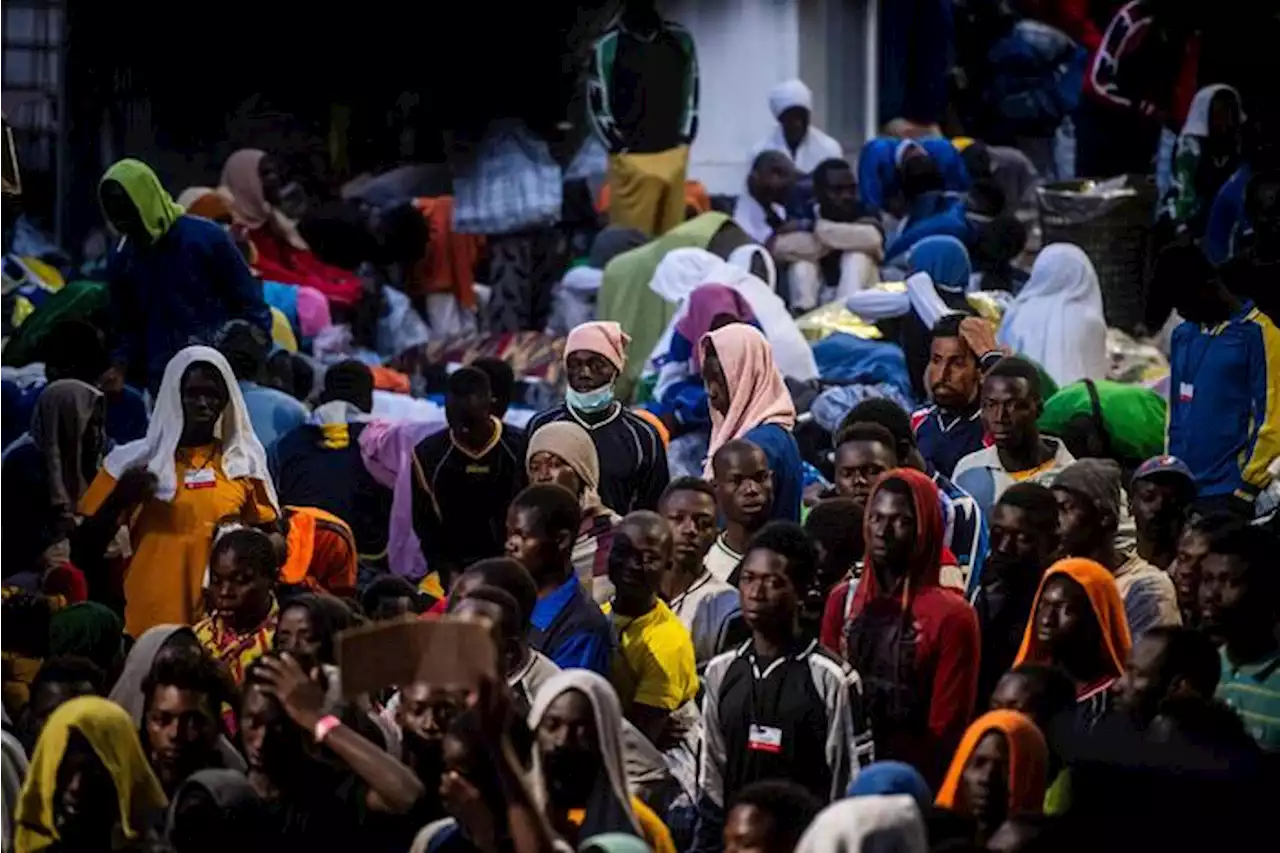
x=1112, y=222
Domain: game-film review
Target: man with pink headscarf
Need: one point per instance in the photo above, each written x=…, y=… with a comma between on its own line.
x=633, y=457
x=749, y=400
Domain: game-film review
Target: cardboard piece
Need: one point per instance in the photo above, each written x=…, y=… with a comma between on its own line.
x=446, y=652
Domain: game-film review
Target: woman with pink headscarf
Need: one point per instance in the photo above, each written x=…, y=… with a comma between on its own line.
x=633, y=456
x=252, y=179
x=749, y=400
x=680, y=399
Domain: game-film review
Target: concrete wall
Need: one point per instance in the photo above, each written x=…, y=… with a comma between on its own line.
x=745, y=47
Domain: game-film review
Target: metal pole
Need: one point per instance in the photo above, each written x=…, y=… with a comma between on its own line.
x=871, y=73
x=62, y=152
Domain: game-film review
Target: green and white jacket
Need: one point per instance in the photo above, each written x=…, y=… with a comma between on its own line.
x=601, y=93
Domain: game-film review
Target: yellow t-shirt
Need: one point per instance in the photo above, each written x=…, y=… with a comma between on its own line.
x=164, y=583
x=653, y=661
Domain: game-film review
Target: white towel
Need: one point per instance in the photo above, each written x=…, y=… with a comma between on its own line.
x=242, y=452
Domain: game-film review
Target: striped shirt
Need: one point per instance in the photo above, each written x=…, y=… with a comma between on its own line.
x=1253, y=690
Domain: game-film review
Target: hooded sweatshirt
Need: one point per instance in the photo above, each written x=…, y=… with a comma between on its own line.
x=1028, y=758
x=611, y=807
x=916, y=647
x=877, y=824
x=1108, y=610
x=184, y=286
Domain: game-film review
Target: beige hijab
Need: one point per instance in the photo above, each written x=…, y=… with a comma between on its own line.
x=64, y=412
x=242, y=177
x=574, y=445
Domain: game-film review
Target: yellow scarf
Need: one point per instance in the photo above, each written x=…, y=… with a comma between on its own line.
x=111, y=732
x=155, y=206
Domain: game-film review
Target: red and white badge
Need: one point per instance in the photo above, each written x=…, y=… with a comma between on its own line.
x=199, y=478
x=1186, y=391
x=764, y=739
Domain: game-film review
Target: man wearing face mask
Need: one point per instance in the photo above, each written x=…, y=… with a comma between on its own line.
x=633, y=458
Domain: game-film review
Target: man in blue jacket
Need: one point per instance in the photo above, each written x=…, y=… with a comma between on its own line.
x=1224, y=411
x=175, y=279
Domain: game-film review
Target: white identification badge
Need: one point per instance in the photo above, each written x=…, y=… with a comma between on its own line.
x=1186, y=391
x=764, y=739
x=199, y=478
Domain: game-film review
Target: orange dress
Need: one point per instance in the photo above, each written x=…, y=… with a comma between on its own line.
x=164, y=581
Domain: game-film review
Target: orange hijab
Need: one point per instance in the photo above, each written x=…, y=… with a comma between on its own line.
x=757, y=393
x=1108, y=608
x=1028, y=760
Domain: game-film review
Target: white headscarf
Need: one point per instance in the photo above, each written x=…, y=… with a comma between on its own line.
x=242, y=452
x=1197, y=123
x=608, y=717
x=682, y=271
x=816, y=145
x=875, y=824
x=788, y=94
x=1057, y=319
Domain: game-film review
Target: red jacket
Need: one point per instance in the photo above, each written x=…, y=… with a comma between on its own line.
x=916, y=648
x=1124, y=73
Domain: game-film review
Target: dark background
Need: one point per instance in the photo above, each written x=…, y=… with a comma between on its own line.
x=334, y=89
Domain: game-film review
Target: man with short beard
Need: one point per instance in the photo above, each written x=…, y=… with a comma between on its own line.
x=1024, y=539
x=951, y=428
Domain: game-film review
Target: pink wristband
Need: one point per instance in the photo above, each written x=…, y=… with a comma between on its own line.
x=325, y=725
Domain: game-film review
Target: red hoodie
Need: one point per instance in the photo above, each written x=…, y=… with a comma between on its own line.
x=920, y=674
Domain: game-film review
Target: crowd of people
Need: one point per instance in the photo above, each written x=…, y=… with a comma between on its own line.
x=772, y=556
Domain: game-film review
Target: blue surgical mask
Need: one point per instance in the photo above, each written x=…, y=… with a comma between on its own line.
x=590, y=401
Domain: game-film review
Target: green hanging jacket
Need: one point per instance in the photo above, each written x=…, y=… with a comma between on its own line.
x=600, y=93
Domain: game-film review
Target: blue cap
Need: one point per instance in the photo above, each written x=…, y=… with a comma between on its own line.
x=1165, y=465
